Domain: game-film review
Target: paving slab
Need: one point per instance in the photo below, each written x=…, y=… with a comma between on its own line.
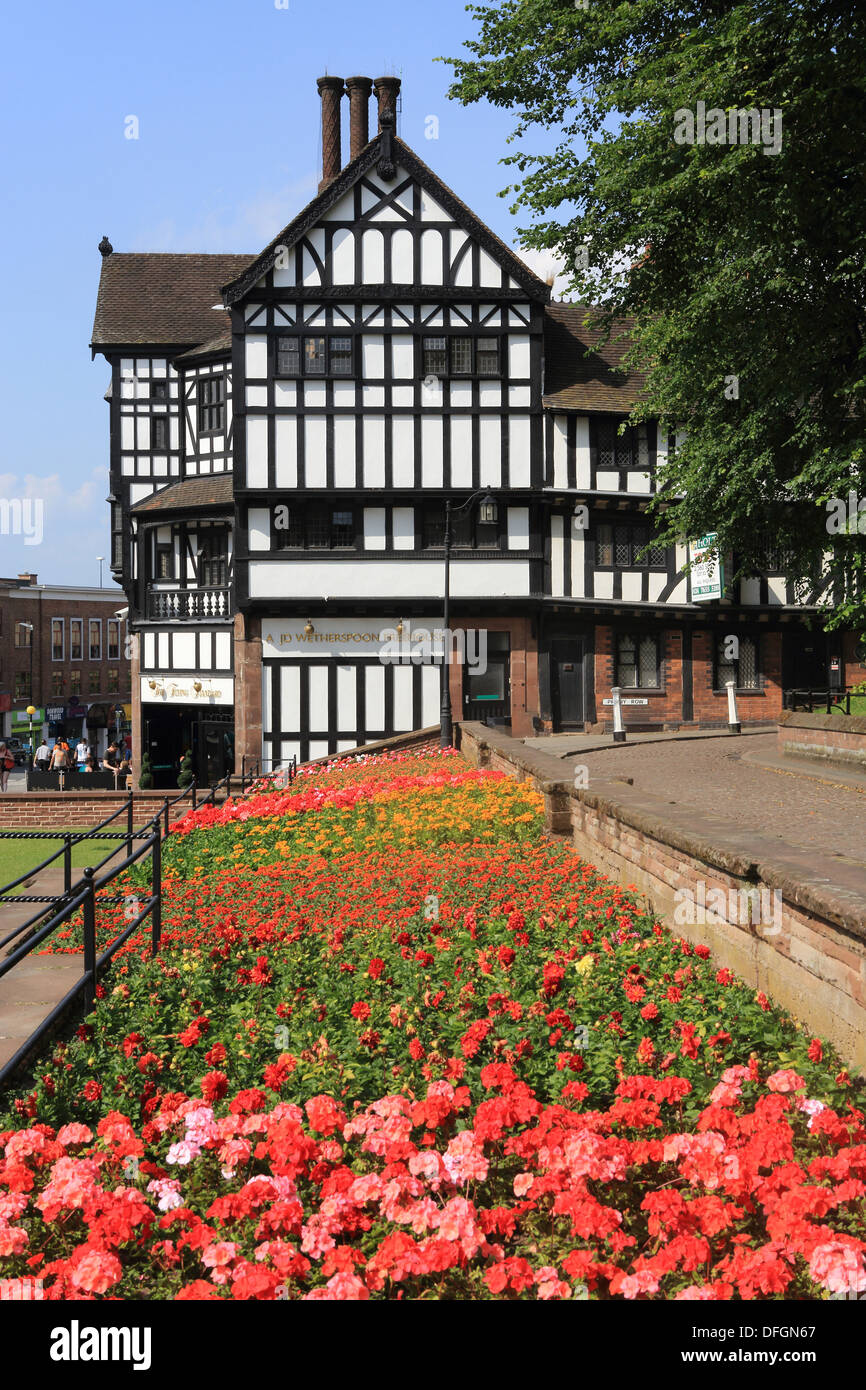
x=751, y=788
x=37, y=983
x=28, y=994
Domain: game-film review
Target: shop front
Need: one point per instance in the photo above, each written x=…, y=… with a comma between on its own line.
x=192, y=715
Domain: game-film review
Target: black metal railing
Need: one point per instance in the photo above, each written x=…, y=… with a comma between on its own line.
x=807, y=697
x=169, y=605
x=253, y=770
x=85, y=895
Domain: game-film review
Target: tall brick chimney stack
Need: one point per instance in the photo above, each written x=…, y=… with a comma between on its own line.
x=359, y=90
x=387, y=90
x=331, y=93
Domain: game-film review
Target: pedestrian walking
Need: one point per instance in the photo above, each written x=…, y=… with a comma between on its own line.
x=60, y=756
x=42, y=757
x=7, y=762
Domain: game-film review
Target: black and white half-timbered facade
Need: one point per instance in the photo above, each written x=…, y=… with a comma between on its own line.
x=286, y=428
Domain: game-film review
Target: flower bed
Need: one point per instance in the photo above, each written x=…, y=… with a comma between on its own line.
x=398, y=1045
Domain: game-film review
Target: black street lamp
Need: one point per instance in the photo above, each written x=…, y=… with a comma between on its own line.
x=488, y=513
x=31, y=629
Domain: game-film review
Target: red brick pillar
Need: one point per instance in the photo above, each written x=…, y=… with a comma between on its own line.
x=331, y=92
x=359, y=90
x=387, y=90
x=248, y=689
x=524, y=679
x=137, y=721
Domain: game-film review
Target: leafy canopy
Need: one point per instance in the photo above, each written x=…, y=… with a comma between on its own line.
x=741, y=265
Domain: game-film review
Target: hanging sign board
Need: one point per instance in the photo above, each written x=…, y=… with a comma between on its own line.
x=707, y=573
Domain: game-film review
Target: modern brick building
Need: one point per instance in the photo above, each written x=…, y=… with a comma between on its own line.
x=63, y=650
x=286, y=428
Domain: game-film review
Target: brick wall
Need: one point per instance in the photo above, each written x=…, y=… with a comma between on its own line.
x=45, y=811
x=31, y=605
x=664, y=707
x=855, y=659
x=762, y=707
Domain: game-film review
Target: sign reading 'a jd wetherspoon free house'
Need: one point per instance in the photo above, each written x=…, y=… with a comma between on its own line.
x=342, y=636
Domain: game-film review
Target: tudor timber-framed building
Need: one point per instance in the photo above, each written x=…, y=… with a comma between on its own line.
x=285, y=429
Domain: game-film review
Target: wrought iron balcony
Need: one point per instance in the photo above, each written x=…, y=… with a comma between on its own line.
x=189, y=605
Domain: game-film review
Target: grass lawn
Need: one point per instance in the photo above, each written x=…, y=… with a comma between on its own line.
x=858, y=706
x=17, y=856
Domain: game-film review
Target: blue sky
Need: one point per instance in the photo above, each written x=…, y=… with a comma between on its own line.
x=229, y=150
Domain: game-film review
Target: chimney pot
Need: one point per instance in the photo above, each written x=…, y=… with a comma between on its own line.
x=387, y=90
x=360, y=90
x=331, y=93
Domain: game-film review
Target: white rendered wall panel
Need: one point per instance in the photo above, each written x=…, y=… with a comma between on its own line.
x=403, y=451
x=374, y=528
x=403, y=682
x=432, y=451
x=315, y=451
x=257, y=451
x=374, y=451
x=256, y=349
x=344, y=451
x=318, y=698
x=461, y=451
x=560, y=451
x=374, y=679
x=290, y=698
x=519, y=460
x=286, y=437
x=557, y=557
x=403, y=521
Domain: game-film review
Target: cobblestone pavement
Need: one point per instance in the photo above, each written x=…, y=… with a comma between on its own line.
x=807, y=809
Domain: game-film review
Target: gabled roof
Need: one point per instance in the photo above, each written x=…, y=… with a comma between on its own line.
x=162, y=300
x=216, y=490
x=580, y=375
x=402, y=155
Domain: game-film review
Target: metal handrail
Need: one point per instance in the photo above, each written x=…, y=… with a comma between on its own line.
x=84, y=898
x=827, y=696
x=255, y=774
x=97, y=833
x=69, y=840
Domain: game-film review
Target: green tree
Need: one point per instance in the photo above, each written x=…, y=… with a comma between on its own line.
x=739, y=266
x=186, y=776
x=145, y=780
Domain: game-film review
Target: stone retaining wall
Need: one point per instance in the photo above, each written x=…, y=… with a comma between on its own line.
x=833, y=737
x=810, y=956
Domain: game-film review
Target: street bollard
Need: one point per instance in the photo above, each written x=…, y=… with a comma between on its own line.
x=733, y=714
x=618, y=726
